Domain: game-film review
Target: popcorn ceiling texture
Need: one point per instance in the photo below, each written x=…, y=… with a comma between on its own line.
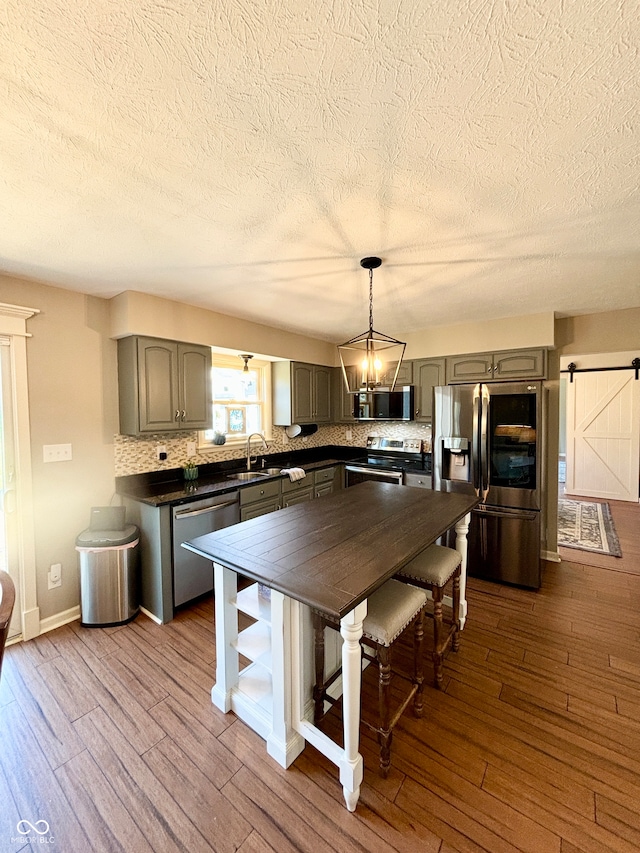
x=138, y=456
x=245, y=156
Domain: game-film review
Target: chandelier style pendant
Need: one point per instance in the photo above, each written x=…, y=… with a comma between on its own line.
x=370, y=361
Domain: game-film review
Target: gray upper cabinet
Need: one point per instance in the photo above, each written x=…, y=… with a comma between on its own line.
x=342, y=404
x=301, y=393
x=514, y=364
x=428, y=373
x=164, y=386
x=405, y=375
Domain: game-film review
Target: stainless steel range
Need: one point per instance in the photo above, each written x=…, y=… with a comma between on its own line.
x=388, y=459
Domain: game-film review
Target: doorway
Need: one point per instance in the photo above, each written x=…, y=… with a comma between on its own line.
x=602, y=428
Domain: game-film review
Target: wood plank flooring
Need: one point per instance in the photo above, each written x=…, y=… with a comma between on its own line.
x=109, y=735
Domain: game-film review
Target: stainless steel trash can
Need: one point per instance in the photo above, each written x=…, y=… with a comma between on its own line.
x=109, y=582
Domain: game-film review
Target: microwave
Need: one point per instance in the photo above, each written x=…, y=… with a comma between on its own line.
x=395, y=405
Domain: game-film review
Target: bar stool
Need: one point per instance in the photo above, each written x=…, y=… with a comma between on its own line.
x=390, y=609
x=432, y=570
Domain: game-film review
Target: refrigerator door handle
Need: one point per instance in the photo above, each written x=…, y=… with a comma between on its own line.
x=475, y=440
x=506, y=512
x=484, y=443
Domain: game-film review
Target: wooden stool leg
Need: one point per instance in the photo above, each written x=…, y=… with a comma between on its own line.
x=455, y=643
x=418, y=665
x=318, y=690
x=438, y=635
x=385, y=734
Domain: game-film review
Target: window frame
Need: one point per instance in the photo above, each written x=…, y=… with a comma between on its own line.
x=263, y=368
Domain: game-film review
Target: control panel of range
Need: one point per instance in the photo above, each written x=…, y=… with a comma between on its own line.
x=394, y=445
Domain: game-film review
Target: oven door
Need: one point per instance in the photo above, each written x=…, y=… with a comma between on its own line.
x=355, y=474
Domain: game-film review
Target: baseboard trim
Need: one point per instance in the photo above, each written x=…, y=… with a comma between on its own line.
x=60, y=619
x=551, y=556
x=151, y=616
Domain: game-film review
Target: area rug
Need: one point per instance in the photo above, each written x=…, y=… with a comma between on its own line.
x=587, y=526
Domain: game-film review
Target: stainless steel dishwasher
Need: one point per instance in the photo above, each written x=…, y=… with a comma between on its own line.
x=192, y=574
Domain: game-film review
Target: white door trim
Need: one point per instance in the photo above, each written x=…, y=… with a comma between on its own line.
x=13, y=325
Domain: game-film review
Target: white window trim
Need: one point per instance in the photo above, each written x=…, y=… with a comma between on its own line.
x=206, y=445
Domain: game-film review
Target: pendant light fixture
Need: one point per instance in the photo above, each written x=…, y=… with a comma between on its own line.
x=370, y=361
x=245, y=358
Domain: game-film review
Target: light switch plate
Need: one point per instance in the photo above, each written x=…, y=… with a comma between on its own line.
x=56, y=452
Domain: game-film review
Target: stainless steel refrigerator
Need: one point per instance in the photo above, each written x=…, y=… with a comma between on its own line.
x=488, y=440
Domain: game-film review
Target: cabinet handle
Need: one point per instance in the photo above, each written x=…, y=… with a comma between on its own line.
x=184, y=414
x=177, y=414
x=417, y=412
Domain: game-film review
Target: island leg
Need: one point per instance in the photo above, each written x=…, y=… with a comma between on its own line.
x=226, y=586
x=351, y=765
x=462, y=528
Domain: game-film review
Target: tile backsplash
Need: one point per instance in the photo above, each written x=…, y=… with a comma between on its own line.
x=139, y=455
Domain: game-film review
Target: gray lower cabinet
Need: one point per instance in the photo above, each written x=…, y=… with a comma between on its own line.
x=259, y=500
x=428, y=373
x=156, y=557
x=156, y=546
x=301, y=393
x=328, y=480
x=297, y=492
x=511, y=364
x=418, y=481
x=164, y=386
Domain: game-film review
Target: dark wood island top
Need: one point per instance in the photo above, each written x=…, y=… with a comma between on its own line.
x=333, y=553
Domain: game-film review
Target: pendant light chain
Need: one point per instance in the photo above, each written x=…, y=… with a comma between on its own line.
x=370, y=299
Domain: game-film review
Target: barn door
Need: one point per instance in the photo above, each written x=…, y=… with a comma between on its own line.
x=603, y=435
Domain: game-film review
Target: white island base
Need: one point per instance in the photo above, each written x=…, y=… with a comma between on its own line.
x=273, y=694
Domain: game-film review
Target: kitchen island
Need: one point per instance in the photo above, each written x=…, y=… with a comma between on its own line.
x=329, y=556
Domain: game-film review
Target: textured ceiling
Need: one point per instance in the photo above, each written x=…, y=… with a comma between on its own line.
x=244, y=156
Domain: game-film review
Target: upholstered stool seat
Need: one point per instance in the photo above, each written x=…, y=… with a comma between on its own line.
x=390, y=609
x=432, y=570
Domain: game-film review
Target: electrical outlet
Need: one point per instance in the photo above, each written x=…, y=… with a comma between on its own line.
x=161, y=453
x=56, y=452
x=55, y=575
x=191, y=448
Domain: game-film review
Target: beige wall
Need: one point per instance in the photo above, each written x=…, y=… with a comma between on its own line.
x=535, y=330
x=71, y=365
x=139, y=314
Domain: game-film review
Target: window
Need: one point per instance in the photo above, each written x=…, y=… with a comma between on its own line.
x=239, y=398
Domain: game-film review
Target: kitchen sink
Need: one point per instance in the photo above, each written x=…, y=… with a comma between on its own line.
x=248, y=475
x=271, y=471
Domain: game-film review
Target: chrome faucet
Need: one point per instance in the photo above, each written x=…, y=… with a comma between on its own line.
x=264, y=444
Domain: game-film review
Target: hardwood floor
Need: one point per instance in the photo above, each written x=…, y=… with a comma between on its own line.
x=109, y=736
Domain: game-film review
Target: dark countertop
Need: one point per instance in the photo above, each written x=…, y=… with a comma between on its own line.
x=158, y=488
x=333, y=553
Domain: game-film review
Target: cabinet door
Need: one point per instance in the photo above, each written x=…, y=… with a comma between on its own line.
x=298, y=496
x=159, y=402
x=520, y=364
x=405, y=375
x=321, y=394
x=261, y=508
x=194, y=363
x=428, y=373
x=302, y=393
x=324, y=489
x=342, y=403
x=470, y=368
